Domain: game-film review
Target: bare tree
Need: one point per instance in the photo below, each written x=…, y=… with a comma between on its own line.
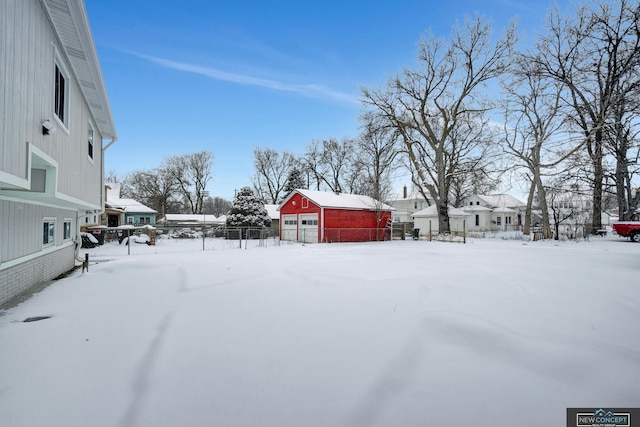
x=596, y=55
x=534, y=121
x=191, y=172
x=272, y=170
x=428, y=104
x=377, y=153
x=332, y=164
x=622, y=139
x=155, y=188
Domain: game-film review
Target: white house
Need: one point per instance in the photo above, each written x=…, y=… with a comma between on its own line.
x=407, y=204
x=495, y=212
x=427, y=220
x=54, y=117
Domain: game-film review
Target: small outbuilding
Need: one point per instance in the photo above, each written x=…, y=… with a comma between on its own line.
x=427, y=220
x=317, y=216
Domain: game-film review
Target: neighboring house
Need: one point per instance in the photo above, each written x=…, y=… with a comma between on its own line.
x=127, y=211
x=54, y=116
x=426, y=220
x=188, y=220
x=495, y=212
x=571, y=212
x=316, y=216
x=407, y=205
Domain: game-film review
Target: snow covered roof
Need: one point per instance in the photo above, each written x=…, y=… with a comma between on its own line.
x=433, y=211
x=327, y=199
x=129, y=206
x=501, y=200
x=272, y=210
x=191, y=218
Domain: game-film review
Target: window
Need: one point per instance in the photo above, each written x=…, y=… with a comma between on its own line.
x=66, y=232
x=470, y=203
x=290, y=222
x=61, y=92
x=49, y=232
x=90, y=141
x=499, y=220
x=145, y=220
x=305, y=202
x=130, y=220
x=477, y=220
x=507, y=220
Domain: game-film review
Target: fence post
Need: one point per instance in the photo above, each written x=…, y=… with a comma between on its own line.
x=464, y=231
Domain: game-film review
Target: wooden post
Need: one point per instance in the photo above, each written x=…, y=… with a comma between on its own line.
x=464, y=231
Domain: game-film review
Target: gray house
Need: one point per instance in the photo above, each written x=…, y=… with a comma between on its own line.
x=54, y=117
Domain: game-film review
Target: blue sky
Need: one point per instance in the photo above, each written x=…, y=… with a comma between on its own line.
x=191, y=75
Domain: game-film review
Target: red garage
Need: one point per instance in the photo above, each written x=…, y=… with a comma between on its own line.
x=317, y=216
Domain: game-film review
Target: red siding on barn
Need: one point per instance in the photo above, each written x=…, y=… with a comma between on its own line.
x=339, y=224
x=347, y=225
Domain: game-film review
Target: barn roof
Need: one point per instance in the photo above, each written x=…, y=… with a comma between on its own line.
x=327, y=199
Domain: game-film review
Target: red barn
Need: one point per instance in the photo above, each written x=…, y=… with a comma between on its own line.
x=317, y=216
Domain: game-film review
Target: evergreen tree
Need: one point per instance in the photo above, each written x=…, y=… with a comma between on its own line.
x=247, y=210
x=295, y=180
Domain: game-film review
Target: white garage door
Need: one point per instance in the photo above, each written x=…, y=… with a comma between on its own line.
x=289, y=227
x=308, y=228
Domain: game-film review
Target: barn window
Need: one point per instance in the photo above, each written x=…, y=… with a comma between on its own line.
x=305, y=202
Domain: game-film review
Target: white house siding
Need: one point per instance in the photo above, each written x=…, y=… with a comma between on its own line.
x=23, y=260
x=28, y=47
x=17, y=279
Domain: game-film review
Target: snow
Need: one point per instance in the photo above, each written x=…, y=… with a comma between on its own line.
x=403, y=333
x=328, y=199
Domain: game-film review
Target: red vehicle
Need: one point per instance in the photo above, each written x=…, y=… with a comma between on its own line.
x=630, y=229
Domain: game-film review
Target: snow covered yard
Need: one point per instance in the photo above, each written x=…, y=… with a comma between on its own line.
x=403, y=333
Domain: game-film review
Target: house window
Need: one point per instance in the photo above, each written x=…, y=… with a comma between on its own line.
x=90, y=141
x=66, y=232
x=507, y=220
x=305, y=202
x=130, y=220
x=470, y=203
x=477, y=203
x=61, y=92
x=145, y=220
x=49, y=232
x=499, y=220
x=477, y=220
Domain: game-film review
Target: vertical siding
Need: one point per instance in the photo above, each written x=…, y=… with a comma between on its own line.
x=27, y=57
x=21, y=228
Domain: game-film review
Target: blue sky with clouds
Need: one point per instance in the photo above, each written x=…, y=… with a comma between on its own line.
x=185, y=76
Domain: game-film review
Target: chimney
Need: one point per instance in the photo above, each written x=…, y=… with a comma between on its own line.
x=404, y=192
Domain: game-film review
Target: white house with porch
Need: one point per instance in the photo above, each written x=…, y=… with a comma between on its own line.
x=494, y=212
